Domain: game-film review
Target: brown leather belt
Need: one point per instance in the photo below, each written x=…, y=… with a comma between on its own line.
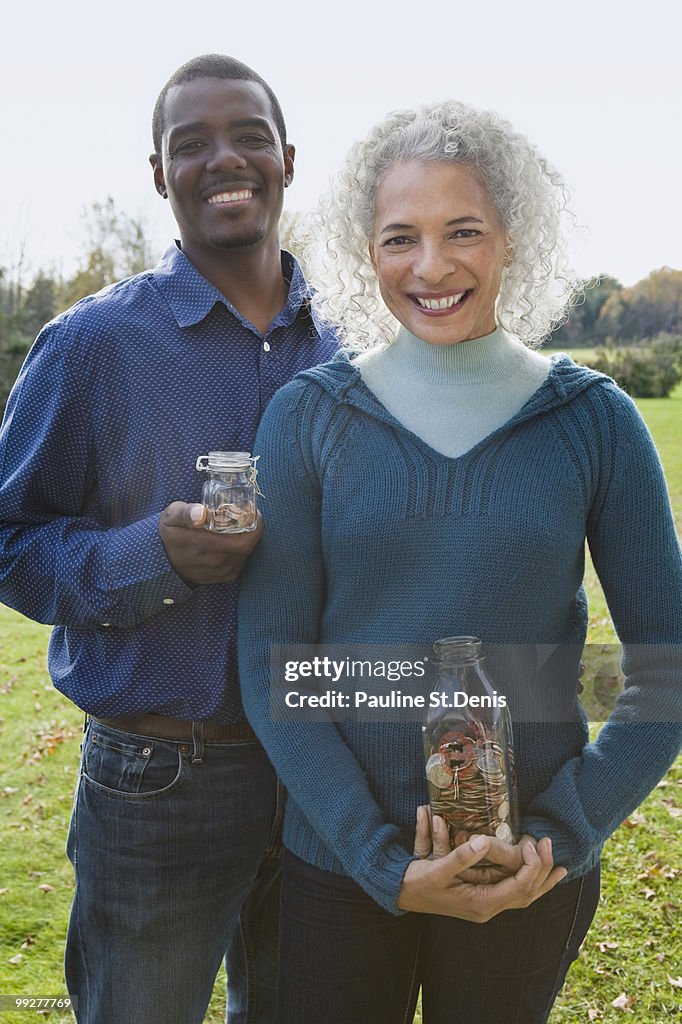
x=161, y=727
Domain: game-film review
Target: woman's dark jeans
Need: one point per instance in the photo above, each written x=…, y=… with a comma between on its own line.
x=344, y=960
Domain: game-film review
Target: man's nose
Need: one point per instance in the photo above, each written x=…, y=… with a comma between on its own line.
x=224, y=155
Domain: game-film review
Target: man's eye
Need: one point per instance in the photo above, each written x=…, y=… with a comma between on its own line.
x=187, y=148
x=255, y=141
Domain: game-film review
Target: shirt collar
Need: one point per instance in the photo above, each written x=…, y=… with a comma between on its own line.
x=191, y=297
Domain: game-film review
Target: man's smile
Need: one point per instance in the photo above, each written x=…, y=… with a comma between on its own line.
x=230, y=197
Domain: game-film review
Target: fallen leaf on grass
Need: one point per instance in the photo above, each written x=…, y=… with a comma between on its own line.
x=670, y=913
x=676, y=982
x=624, y=1003
x=594, y=1015
x=3, y=891
x=49, y=737
x=16, y=959
x=634, y=820
x=648, y=894
x=45, y=887
x=604, y=946
x=28, y=942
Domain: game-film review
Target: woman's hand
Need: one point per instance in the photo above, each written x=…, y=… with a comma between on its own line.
x=431, y=840
x=449, y=883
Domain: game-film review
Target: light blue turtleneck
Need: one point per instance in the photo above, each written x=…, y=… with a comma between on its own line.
x=452, y=396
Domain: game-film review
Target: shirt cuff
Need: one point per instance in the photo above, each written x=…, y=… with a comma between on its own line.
x=139, y=572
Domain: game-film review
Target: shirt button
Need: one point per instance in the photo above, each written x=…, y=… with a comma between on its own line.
x=168, y=600
x=266, y=346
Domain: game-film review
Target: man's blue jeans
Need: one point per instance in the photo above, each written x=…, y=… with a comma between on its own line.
x=177, y=860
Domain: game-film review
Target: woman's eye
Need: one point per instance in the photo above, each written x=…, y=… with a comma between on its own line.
x=466, y=233
x=398, y=240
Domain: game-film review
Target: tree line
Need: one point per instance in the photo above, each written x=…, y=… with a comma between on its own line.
x=637, y=330
x=115, y=246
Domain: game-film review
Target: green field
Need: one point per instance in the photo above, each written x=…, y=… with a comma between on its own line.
x=633, y=954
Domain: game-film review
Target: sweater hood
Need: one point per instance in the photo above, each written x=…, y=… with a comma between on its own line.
x=566, y=379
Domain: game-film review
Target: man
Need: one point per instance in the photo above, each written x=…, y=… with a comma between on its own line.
x=175, y=826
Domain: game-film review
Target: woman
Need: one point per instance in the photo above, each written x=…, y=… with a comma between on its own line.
x=444, y=481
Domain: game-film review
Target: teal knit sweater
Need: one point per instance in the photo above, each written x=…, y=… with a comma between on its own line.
x=373, y=537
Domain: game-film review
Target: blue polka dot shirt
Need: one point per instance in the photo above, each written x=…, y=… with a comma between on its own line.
x=117, y=398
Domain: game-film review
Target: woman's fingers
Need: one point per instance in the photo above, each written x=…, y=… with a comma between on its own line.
x=441, y=838
x=422, y=833
x=431, y=837
x=535, y=878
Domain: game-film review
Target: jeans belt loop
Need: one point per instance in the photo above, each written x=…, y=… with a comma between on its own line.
x=197, y=742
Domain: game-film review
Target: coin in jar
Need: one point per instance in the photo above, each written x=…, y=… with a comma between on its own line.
x=437, y=772
x=487, y=761
x=440, y=777
x=504, y=833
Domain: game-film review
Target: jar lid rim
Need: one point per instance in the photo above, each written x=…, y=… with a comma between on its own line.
x=233, y=459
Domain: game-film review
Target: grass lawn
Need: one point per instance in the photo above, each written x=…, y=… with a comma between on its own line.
x=632, y=956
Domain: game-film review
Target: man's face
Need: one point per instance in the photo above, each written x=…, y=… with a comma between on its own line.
x=222, y=165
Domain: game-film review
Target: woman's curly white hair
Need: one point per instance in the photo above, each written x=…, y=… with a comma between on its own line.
x=530, y=197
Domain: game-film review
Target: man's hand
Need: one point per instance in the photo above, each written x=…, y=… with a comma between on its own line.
x=199, y=556
x=441, y=885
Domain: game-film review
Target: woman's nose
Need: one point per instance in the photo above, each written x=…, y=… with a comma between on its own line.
x=432, y=263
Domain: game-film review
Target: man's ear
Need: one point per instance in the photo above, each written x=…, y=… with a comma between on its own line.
x=159, y=179
x=289, y=155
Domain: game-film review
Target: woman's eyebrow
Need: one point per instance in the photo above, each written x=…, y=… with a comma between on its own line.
x=449, y=224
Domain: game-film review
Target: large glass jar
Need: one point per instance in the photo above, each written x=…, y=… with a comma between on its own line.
x=229, y=493
x=468, y=747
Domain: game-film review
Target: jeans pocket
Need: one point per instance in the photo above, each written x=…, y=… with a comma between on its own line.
x=128, y=766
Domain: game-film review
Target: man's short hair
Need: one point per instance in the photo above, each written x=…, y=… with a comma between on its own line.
x=213, y=65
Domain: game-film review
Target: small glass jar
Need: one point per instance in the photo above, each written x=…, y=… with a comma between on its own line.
x=468, y=747
x=229, y=493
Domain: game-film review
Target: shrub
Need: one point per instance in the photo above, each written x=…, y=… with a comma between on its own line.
x=648, y=370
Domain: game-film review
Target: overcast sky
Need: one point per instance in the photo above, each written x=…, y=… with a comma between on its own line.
x=595, y=85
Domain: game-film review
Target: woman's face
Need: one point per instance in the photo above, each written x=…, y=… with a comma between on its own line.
x=438, y=250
